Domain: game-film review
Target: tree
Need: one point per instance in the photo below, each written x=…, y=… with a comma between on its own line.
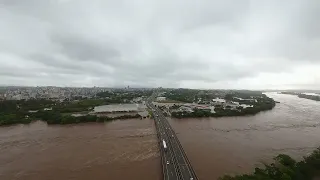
x=285, y=168
x=228, y=97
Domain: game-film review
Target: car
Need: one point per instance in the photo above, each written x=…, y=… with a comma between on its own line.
x=168, y=162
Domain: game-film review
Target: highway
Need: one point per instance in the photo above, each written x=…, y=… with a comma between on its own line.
x=175, y=163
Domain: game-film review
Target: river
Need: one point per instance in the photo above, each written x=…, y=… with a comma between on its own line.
x=128, y=149
x=233, y=145
x=115, y=150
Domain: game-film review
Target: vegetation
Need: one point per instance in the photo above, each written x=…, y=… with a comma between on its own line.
x=292, y=93
x=13, y=112
x=285, y=168
x=57, y=118
x=150, y=113
x=305, y=96
x=315, y=98
x=78, y=106
x=182, y=95
x=260, y=103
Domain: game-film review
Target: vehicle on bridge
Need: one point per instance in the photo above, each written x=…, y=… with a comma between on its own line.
x=164, y=144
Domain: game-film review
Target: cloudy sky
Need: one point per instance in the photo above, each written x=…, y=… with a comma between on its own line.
x=247, y=44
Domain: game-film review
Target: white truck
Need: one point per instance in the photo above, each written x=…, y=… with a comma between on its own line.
x=164, y=144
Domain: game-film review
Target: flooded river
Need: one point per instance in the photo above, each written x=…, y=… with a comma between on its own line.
x=128, y=150
x=238, y=144
x=116, y=150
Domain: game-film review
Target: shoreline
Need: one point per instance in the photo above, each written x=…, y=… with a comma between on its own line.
x=97, y=120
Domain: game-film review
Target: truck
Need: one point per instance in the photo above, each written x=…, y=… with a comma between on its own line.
x=164, y=144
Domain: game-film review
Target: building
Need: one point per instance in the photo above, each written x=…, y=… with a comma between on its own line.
x=218, y=101
x=231, y=105
x=241, y=99
x=161, y=98
x=33, y=111
x=198, y=106
x=184, y=108
x=246, y=105
x=17, y=97
x=137, y=100
x=47, y=109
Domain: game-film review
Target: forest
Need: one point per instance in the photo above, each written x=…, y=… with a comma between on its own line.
x=25, y=111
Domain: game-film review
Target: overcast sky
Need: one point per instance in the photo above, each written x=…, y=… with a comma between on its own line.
x=247, y=44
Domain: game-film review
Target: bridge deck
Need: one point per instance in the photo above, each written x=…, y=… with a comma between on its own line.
x=175, y=163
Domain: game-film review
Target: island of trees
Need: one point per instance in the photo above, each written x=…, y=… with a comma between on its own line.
x=315, y=98
x=14, y=112
x=305, y=96
x=254, y=102
x=285, y=168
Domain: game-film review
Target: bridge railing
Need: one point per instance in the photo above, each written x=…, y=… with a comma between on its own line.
x=186, y=158
x=174, y=157
x=194, y=175
x=161, y=153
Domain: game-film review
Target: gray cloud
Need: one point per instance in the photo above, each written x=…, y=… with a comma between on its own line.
x=180, y=43
x=84, y=49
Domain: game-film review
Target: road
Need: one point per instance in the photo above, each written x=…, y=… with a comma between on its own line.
x=176, y=165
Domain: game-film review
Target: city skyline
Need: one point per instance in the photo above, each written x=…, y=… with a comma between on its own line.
x=142, y=87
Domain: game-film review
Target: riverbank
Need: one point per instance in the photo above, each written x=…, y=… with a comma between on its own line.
x=52, y=112
x=285, y=168
x=58, y=118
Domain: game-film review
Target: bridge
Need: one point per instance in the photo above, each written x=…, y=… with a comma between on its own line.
x=175, y=163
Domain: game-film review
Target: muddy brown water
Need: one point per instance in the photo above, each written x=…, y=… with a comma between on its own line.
x=116, y=150
x=128, y=149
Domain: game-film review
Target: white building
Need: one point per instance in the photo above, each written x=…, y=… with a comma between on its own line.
x=187, y=109
x=212, y=109
x=161, y=98
x=246, y=106
x=246, y=99
x=218, y=101
x=33, y=111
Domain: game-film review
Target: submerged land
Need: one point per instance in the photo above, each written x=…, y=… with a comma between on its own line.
x=56, y=105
